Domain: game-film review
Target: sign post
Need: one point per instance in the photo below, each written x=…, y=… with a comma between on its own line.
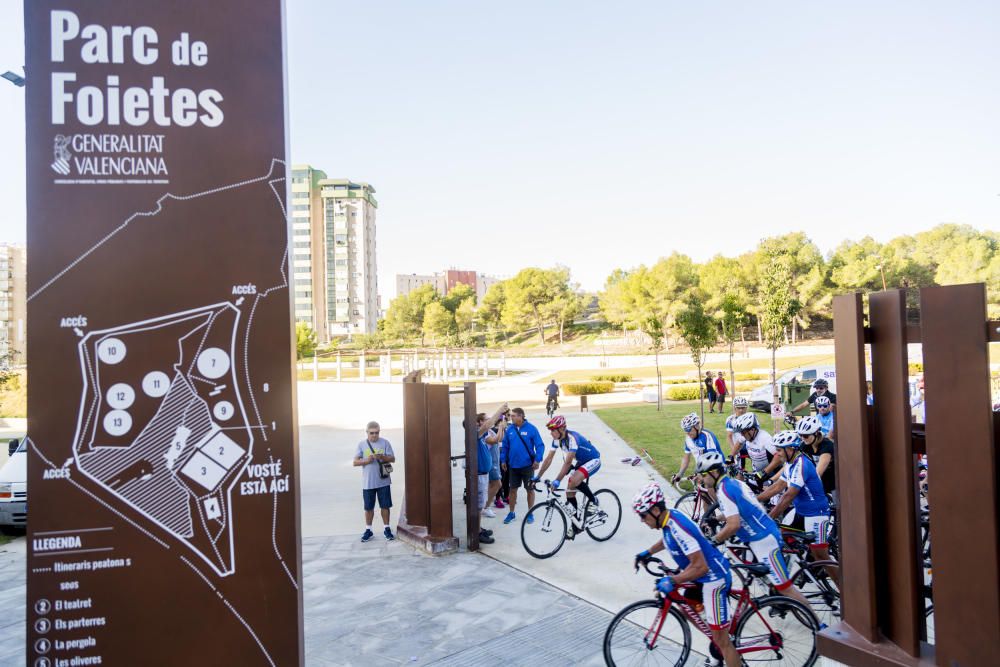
x=163, y=464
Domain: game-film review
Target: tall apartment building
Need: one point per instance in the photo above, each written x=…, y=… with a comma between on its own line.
x=333, y=253
x=13, y=303
x=444, y=281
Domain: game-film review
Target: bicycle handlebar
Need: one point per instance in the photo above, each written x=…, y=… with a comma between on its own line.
x=662, y=569
x=548, y=486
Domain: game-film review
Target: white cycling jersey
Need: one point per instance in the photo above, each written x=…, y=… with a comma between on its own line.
x=759, y=448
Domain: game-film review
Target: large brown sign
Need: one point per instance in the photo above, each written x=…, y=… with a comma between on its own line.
x=163, y=525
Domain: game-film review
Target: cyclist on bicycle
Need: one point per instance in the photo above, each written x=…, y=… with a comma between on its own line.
x=804, y=489
x=820, y=388
x=758, y=445
x=552, y=403
x=824, y=413
x=580, y=456
x=819, y=449
x=740, y=407
x=698, y=560
x=697, y=442
x=748, y=520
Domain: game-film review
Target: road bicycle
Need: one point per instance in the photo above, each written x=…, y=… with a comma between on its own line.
x=775, y=630
x=817, y=580
x=551, y=405
x=699, y=506
x=554, y=521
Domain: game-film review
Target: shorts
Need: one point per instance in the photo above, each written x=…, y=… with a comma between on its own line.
x=819, y=525
x=711, y=397
x=768, y=551
x=715, y=597
x=494, y=473
x=589, y=468
x=722, y=399
x=383, y=494
x=521, y=477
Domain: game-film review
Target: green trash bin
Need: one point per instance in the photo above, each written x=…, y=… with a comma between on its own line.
x=794, y=393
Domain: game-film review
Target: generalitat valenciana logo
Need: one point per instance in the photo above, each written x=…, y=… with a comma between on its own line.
x=61, y=155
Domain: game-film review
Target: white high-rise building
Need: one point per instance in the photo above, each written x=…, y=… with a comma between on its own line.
x=333, y=254
x=13, y=304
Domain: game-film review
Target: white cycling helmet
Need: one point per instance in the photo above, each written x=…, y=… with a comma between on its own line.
x=649, y=495
x=690, y=422
x=822, y=402
x=709, y=461
x=741, y=402
x=808, y=426
x=745, y=422
x=787, y=439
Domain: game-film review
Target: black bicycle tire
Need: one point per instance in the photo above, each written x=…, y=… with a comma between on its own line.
x=617, y=525
x=821, y=565
x=771, y=600
x=616, y=621
x=677, y=505
x=562, y=539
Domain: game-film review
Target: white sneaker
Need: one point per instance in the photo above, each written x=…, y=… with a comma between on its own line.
x=488, y=512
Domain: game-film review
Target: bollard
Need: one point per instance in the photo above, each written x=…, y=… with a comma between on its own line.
x=583, y=404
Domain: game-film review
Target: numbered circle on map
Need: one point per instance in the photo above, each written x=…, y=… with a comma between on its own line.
x=213, y=363
x=117, y=422
x=155, y=384
x=111, y=351
x=121, y=396
x=223, y=410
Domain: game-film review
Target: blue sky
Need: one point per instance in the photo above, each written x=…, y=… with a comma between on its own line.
x=597, y=135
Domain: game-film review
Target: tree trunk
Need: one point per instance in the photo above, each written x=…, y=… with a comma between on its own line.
x=794, y=330
x=562, y=322
x=541, y=326
x=775, y=396
x=702, y=394
x=659, y=381
x=743, y=340
x=732, y=374
x=760, y=334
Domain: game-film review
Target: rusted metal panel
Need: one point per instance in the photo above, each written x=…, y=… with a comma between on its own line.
x=415, y=453
x=961, y=450
x=857, y=546
x=899, y=602
x=438, y=416
x=472, y=468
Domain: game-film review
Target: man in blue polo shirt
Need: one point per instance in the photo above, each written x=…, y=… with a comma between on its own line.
x=521, y=454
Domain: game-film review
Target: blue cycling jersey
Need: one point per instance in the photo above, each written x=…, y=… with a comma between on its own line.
x=825, y=422
x=682, y=538
x=706, y=441
x=811, y=499
x=583, y=450
x=736, y=499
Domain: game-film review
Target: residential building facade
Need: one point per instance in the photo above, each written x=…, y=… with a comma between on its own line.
x=333, y=254
x=13, y=304
x=445, y=281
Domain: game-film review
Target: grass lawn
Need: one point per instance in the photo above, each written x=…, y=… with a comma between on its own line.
x=642, y=427
x=739, y=365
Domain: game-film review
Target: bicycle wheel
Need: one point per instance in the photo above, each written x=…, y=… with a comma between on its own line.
x=780, y=631
x=604, y=524
x=644, y=634
x=821, y=588
x=688, y=503
x=545, y=536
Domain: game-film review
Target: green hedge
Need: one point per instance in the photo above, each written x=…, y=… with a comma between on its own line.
x=611, y=377
x=581, y=388
x=682, y=393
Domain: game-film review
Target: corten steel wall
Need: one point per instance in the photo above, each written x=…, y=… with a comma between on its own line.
x=472, y=508
x=163, y=464
x=427, y=447
x=880, y=552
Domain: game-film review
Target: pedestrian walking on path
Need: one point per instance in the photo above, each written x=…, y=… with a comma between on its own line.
x=374, y=454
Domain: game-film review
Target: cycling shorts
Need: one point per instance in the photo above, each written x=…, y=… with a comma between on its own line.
x=589, y=468
x=821, y=526
x=768, y=551
x=715, y=597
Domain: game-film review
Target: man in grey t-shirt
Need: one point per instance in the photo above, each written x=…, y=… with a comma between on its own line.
x=372, y=451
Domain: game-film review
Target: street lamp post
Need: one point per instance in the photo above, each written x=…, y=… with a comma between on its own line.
x=880, y=270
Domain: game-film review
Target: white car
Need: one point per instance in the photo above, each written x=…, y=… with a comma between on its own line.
x=14, y=490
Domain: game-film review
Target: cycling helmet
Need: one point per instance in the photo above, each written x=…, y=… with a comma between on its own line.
x=741, y=402
x=556, y=422
x=690, y=422
x=649, y=495
x=710, y=460
x=745, y=422
x=808, y=426
x=821, y=384
x=822, y=402
x=786, y=439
